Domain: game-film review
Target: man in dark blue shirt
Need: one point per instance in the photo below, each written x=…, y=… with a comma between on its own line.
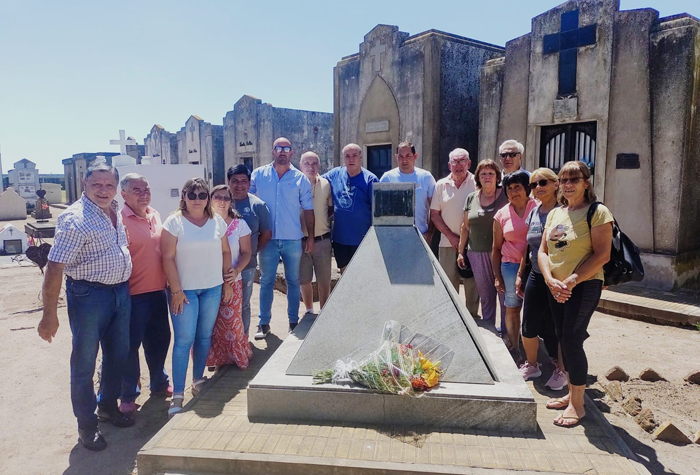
x=351, y=187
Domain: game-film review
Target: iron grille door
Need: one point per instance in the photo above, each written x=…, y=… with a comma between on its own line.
x=568, y=142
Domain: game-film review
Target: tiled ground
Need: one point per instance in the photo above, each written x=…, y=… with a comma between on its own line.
x=215, y=435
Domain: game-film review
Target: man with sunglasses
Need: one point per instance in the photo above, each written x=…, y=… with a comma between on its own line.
x=511, y=152
x=287, y=192
x=447, y=214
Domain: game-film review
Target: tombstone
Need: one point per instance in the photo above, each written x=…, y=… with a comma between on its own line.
x=12, y=240
x=41, y=228
x=42, y=212
x=613, y=89
x=12, y=206
x=24, y=178
x=399, y=279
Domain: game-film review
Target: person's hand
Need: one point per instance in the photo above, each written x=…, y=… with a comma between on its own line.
x=231, y=275
x=498, y=283
x=177, y=302
x=460, y=262
x=559, y=290
x=48, y=326
x=518, y=284
x=227, y=293
x=570, y=282
x=428, y=236
x=454, y=240
x=309, y=246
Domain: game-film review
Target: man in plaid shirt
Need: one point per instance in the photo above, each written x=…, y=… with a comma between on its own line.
x=90, y=246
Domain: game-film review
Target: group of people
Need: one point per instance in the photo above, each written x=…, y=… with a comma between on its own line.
x=126, y=269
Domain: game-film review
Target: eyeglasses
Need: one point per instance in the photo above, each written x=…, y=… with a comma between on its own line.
x=461, y=161
x=193, y=196
x=541, y=183
x=279, y=149
x=222, y=198
x=573, y=181
x=510, y=154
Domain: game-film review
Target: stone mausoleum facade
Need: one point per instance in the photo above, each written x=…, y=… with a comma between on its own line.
x=618, y=90
x=422, y=88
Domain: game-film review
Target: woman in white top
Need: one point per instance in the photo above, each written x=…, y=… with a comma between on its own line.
x=194, y=245
x=229, y=343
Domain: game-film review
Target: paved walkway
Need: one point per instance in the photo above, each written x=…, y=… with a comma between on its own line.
x=657, y=306
x=214, y=435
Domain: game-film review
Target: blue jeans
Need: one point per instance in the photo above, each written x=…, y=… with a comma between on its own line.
x=150, y=326
x=247, y=277
x=98, y=315
x=192, y=330
x=509, y=272
x=290, y=252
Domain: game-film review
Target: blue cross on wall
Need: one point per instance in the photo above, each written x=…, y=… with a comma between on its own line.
x=566, y=42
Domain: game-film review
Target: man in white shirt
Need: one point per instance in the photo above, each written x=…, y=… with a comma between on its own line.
x=407, y=172
x=511, y=153
x=447, y=214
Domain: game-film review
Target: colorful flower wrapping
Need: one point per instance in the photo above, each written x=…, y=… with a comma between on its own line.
x=405, y=363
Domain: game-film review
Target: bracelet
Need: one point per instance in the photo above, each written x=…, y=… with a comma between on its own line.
x=175, y=293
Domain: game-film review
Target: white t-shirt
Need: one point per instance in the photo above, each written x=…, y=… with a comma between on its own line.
x=234, y=232
x=198, y=255
x=450, y=200
x=425, y=186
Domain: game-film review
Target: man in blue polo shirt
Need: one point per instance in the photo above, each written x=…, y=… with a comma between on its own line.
x=286, y=191
x=351, y=187
x=407, y=172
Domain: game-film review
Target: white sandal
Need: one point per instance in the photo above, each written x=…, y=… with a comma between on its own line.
x=197, y=385
x=175, y=404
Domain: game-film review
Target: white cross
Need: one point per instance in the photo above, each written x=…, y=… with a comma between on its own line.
x=375, y=54
x=122, y=142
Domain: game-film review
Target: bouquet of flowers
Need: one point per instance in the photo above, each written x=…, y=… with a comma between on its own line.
x=404, y=363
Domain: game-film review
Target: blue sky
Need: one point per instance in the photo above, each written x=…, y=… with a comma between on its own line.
x=73, y=73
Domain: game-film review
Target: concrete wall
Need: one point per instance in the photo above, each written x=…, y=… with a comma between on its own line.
x=53, y=193
x=490, y=107
x=161, y=144
x=12, y=206
x=628, y=191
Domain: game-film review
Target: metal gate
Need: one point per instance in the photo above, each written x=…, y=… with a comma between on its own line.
x=568, y=142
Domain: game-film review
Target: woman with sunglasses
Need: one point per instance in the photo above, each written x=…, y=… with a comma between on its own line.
x=537, y=317
x=571, y=258
x=477, y=235
x=193, y=246
x=509, y=245
x=229, y=342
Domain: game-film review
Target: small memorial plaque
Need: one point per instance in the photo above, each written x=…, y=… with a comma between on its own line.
x=627, y=161
x=380, y=126
x=393, y=204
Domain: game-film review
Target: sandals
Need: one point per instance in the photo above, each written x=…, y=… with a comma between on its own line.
x=567, y=421
x=557, y=403
x=175, y=405
x=198, y=385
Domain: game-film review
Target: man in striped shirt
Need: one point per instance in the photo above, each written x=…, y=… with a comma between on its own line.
x=90, y=246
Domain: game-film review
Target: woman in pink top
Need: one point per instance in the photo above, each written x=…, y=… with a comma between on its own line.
x=509, y=245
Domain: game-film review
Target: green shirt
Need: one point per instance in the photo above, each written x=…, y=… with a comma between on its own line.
x=481, y=221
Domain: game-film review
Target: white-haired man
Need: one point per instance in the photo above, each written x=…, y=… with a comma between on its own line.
x=319, y=261
x=351, y=187
x=447, y=214
x=511, y=153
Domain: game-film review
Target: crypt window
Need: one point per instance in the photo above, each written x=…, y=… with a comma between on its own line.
x=567, y=142
x=379, y=159
x=248, y=162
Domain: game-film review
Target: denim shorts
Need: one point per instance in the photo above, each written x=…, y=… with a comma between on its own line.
x=509, y=271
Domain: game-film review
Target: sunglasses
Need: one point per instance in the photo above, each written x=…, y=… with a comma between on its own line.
x=279, y=149
x=573, y=181
x=193, y=196
x=510, y=154
x=541, y=183
x=222, y=198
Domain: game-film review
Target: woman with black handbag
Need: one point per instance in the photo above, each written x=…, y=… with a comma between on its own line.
x=571, y=258
x=537, y=316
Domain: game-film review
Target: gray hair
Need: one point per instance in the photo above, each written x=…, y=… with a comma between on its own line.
x=352, y=145
x=128, y=178
x=101, y=167
x=309, y=154
x=458, y=151
x=512, y=143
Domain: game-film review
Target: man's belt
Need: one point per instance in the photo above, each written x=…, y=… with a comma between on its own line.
x=320, y=238
x=99, y=285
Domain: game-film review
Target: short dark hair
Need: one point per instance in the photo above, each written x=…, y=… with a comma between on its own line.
x=239, y=169
x=518, y=176
x=101, y=167
x=488, y=163
x=406, y=144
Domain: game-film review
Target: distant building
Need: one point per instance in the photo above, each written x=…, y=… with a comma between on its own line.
x=24, y=178
x=75, y=167
x=252, y=126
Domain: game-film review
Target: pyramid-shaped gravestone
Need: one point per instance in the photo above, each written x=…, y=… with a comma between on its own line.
x=393, y=276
